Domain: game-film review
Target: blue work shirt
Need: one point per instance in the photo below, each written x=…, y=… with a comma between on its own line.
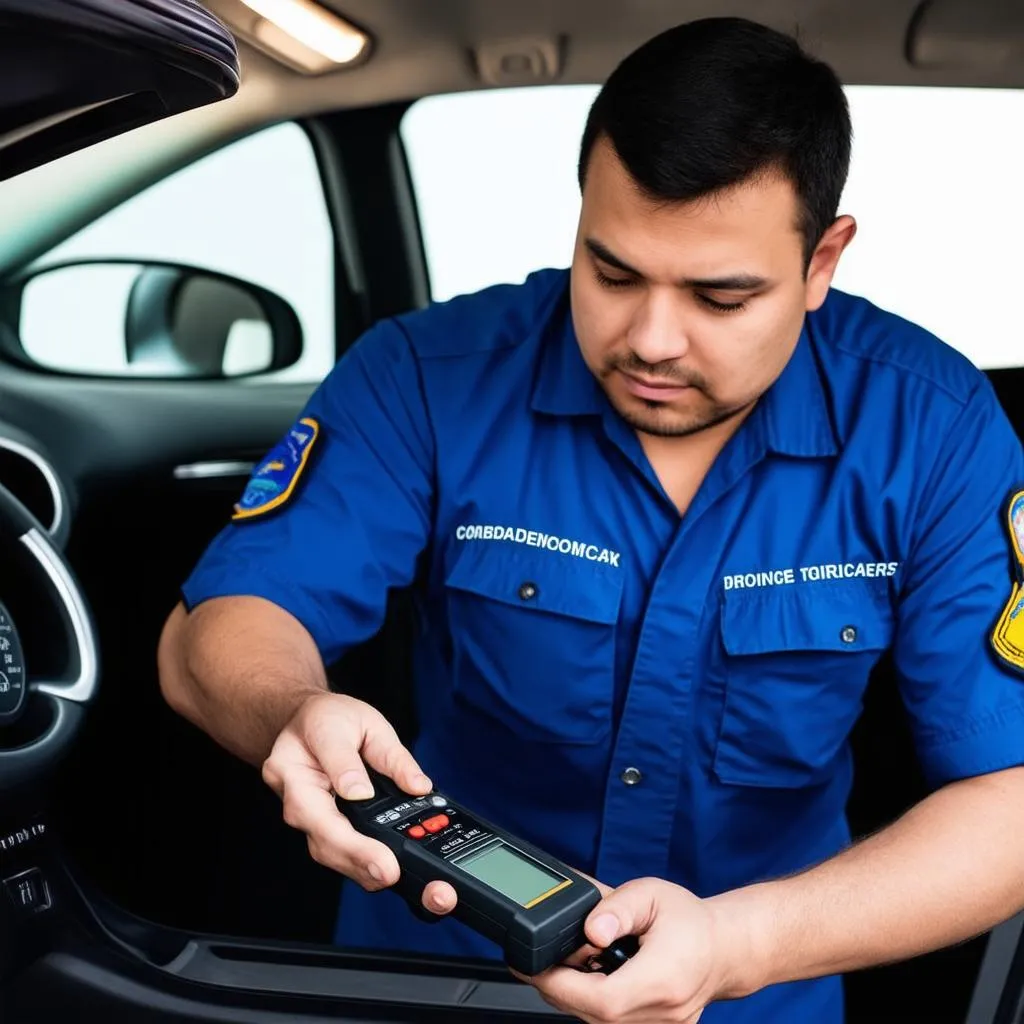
x=643, y=693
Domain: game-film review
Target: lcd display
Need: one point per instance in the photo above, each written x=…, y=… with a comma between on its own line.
x=511, y=873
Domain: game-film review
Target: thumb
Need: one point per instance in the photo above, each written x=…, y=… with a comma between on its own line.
x=628, y=910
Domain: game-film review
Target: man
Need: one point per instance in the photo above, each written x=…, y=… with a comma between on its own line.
x=662, y=514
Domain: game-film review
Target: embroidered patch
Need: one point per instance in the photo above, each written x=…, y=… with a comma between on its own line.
x=273, y=481
x=1008, y=638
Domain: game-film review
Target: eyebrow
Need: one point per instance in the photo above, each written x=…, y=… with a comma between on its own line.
x=729, y=283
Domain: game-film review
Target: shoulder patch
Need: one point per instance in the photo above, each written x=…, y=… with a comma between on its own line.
x=274, y=480
x=1008, y=637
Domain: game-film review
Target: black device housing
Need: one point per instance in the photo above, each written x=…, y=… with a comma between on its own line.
x=532, y=938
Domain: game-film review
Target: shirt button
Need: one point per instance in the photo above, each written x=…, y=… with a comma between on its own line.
x=848, y=634
x=527, y=591
x=631, y=776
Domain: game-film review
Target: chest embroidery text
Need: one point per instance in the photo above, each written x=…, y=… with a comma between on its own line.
x=535, y=539
x=809, y=574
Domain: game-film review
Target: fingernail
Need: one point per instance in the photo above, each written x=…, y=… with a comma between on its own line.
x=375, y=873
x=422, y=782
x=352, y=786
x=604, y=929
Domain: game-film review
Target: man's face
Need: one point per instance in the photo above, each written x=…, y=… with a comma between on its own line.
x=687, y=313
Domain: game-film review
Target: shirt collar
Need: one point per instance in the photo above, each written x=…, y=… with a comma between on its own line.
x=564, y=385
x=794, y=411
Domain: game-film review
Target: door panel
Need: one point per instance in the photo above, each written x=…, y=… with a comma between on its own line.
x=137, y=527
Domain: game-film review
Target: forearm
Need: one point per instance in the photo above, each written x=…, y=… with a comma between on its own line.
x=949, y=869
x=239, y=669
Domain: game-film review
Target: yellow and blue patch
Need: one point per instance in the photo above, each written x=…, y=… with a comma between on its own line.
x=1008, y=638
x=274, y=480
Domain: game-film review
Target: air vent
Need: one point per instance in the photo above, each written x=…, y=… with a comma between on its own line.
x=32, y=480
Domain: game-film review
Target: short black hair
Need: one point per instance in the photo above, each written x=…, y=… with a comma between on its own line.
x=714, y=102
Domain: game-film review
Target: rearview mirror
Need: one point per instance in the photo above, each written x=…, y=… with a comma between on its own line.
x=149, y=319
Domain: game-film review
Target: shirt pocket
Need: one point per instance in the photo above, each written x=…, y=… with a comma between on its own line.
x=533, y=641
x=796, y=664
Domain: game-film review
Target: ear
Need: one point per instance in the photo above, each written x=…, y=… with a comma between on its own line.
x=823, y=263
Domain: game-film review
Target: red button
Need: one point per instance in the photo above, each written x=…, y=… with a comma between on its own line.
x=436, y=823
x=417, y=832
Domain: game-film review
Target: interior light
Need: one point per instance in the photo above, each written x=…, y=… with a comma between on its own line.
x=314, y=27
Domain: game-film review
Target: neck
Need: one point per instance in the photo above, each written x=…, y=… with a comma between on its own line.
x=681, y=463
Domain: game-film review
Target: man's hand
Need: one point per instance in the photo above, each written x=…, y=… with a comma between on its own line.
x=685, y=959
x=320, y=752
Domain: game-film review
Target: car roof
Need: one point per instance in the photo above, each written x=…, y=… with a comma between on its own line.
x=420, y=49
x=445, y=46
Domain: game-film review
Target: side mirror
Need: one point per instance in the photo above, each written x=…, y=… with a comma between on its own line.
x=148, y=319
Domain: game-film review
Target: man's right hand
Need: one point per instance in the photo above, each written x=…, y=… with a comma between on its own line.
x=321, y=752
x=246, y=653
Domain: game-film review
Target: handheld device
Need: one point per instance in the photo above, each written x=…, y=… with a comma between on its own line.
x=528, y=902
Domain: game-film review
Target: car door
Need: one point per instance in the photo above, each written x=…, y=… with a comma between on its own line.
x=123, y=445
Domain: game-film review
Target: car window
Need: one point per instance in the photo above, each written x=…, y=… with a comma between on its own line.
x=934, y=186
x=254, y=210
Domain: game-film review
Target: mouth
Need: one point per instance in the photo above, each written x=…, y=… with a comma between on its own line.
x=653, y=390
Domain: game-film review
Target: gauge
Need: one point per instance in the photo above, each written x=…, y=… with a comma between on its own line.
x=12, y=670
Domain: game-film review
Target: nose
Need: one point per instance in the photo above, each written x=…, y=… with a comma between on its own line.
x=658, y=333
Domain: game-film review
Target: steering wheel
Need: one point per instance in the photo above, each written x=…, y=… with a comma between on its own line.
x=67, y=698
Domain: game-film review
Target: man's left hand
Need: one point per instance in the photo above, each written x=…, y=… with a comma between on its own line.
x=685, y=959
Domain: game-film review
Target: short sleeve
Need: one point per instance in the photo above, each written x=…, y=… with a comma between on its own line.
x=357, y=518
x=966, y=704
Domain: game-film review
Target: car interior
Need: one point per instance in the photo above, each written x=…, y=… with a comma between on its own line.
x=148, y=874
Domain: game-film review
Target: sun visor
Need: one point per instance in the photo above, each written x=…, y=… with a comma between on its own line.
x=986, y=35
x=76, y=72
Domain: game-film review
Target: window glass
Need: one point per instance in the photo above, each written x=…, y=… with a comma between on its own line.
x=254, y=209
x=934, y=185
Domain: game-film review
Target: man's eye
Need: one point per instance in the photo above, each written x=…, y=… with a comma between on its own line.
x=611, y=282
x=721, y=307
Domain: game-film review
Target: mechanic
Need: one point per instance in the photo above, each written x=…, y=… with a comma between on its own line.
x=662, y=512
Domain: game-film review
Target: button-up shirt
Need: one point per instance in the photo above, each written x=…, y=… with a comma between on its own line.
x=638, y=692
